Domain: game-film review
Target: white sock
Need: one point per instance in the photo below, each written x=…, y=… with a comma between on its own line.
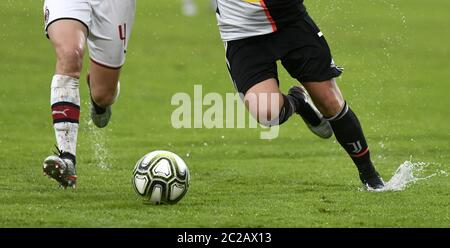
x=65, y=102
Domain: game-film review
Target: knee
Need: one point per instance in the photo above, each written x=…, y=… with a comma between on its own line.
x=330, y=106
x=265, y=113
x=70, y=60
x=266, y=117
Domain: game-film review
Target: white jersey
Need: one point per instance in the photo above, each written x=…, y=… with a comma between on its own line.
x=239, y=19
x=108, y=22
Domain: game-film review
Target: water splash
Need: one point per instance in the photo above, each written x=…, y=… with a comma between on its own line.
x=97, y=139
x=98, y=142
x=409, y=173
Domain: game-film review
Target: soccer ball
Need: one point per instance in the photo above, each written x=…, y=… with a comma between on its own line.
x=161, y=177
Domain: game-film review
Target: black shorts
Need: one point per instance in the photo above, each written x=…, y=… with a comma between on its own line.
x=301, y=47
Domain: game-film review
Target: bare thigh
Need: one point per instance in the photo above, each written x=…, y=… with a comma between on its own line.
x=68, y=38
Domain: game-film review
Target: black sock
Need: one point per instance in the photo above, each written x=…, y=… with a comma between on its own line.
x=349, y=134
x=99, y=110
x=286, y=110
x=305, y=110
x=68, y=155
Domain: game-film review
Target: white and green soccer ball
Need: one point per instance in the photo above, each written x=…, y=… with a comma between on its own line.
x=161, y=177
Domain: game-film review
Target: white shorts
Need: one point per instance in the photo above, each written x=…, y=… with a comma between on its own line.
x=109, y=24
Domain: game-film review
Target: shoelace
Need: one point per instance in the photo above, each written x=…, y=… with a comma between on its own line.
x=64, y=155
x=58, y=152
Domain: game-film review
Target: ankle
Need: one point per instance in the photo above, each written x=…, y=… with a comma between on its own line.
x=99, y=110
x=70, y=156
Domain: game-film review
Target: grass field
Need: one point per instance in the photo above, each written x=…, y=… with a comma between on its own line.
x=396, y=56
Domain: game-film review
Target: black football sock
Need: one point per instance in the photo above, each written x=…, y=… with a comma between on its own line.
x=349, y=134
x=99, y=110
x=67, y=155
x=286, y=110
x=304, y=109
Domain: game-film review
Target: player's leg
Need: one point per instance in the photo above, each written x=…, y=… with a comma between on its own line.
x=346, y=127
x=327, y=96
x=311, y=63
x=68, y=39
x=107, y=47
x=253, y=69
x=104, y=88
x=312, y=117
x=269, y=106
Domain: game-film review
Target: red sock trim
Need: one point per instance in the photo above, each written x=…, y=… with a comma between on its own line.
x=360, y=154
x=65, y=112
